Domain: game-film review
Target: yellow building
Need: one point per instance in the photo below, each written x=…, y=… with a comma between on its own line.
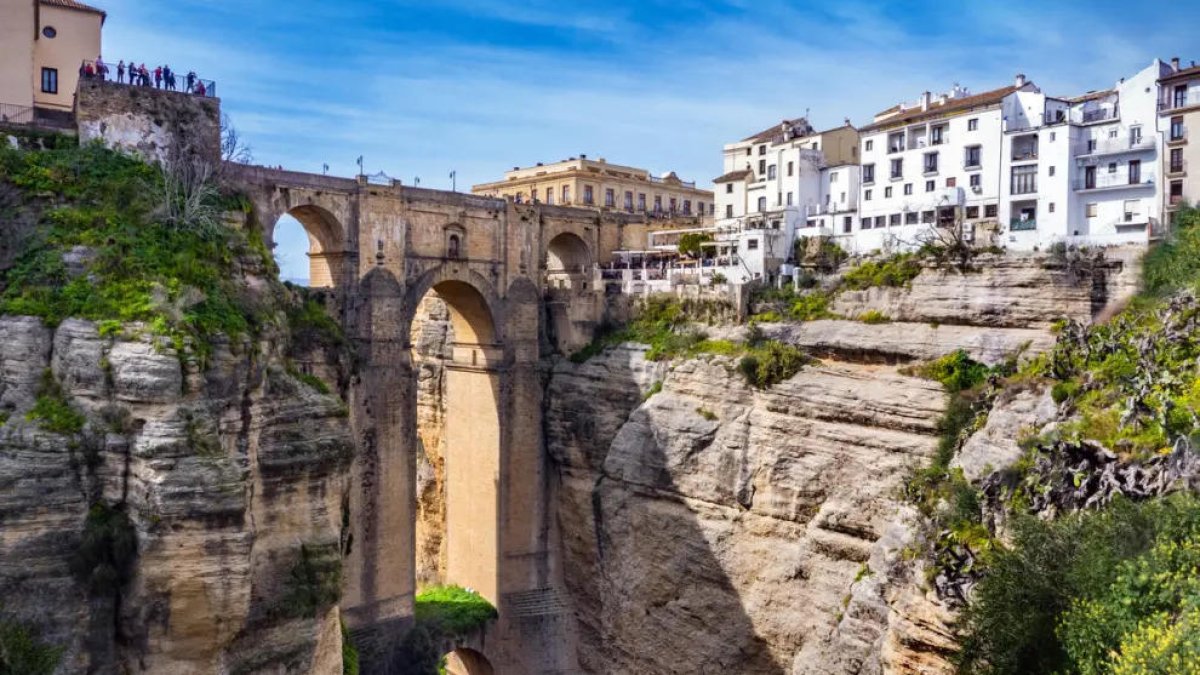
x=45, y=43
x=598, y=184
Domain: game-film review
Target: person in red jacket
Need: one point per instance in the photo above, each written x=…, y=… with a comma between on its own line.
x=158, y=77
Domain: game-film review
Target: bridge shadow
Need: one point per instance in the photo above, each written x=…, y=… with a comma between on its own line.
x=643, y=554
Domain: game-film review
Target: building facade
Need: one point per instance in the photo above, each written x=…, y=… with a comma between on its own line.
x=598, y=184
x=45, y=43
x=929, y=163
x=1179, y=118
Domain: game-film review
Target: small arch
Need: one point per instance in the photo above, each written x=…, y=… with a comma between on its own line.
x=325, y=246
x=456, y=242
x=568, y=262
x=465, y=661
x=472, y=301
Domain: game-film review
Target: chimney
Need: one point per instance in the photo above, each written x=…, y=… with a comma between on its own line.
x=583, y=157
x=925, y=101
x=1020, y=80
x=1175, y=64
x=847, y=121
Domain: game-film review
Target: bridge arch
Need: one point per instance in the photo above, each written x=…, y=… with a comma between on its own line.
x=465, y=661
x=568, y=261
x=327, y=257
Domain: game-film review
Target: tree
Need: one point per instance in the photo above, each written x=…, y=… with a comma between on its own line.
x=689, y=244
x=233, y=147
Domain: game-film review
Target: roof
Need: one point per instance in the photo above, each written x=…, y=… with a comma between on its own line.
x=937, y=109
x=72, y=4
x=774, y=134
x=1183, y=72
x=732, y=176
x=1090, y=96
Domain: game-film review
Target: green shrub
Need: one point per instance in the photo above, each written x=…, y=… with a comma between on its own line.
x=1062, y=391
x=453, y=610
x=896, y=271
x=311, y=326
x=874, y=316
x=654, y=389
x=811, y=306
x=314, y=582
x=107, y=550
x=350, y=659
x=21, y=653
x=1064, y=591
x=52, y=410
x=313, y=382
x=957, y=371
x=689, y=244
x=1174, y=263
x=707, y=414
x=826, y=257
x=771, y=363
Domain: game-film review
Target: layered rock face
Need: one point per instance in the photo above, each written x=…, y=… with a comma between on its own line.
x=232, y=475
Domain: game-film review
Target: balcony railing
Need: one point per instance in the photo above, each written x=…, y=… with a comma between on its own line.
x=1101, y=115
x=1112, y=146
x=682, y=183
x=1022, y=224
x=1024, y=154
x=1186, y=101
x=1114, y=181
x=16, y=114
x=187, y=83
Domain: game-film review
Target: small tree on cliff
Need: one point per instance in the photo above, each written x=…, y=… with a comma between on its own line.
x=233, y=146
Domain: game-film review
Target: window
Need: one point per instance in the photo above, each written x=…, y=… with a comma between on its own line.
x=641, y=201
x=1091, y=146
x=847, y=224
x=1053, y=136
x=896, y=141
x=658, y=203
x=1176, y=128
x=550, y=196
x=973, y=124
x=629, y=201
x=771, y=172
x=729, y=188
x=866, y=195
x=974, y=156
x=927, y=217
x=880, y=221
x=1051, y=170
x=870, y=145
x=674, y=204
x=1176, y=160
x=789, y=199
x=972, y=212
x=989, y=211
x=50, y=32
x=791, y=168
x=1024, y=179
x=687, y=207
x=1135, y=171
x=866, y=224
x=894, y=219
x=908, y=188
x=843, y=197
x=910, y=218
x=729, y=210
x=762, y=150
x=897, y=168
x=951, y=181
x=762, y=203
x=976, y=180
x=931, y=162
x=700, y=208
x=930, y=186
x=749, y=151
x=937, y=134
x=588, y=197
x=1176, y=194
x=452, y=249
x=752, y=244
x=762, y=167
x=566, y=192
x=1112, y=133
x=610, y=197
x=1092, y=209
x=49, y=80
x=887, y=192
x=1112, y=167
x=1133, y=208
x=1051, y=207
x=1180, y=96
x=868, y=173
x=833, y=177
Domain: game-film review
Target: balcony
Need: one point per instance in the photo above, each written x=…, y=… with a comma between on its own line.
x=1024, y=148
x=1101, y=115
x=1114, y=146
x=1022, y=224
x=1113, y=181
x=1191, y=98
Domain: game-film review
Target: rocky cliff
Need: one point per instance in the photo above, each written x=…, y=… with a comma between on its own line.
x=712, y=527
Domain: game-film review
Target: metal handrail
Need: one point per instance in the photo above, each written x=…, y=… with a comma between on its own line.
x=186, y=83
x=16, y=114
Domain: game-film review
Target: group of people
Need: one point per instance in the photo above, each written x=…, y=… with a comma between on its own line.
x=161, y=77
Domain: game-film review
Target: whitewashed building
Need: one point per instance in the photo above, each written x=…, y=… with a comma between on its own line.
x=929, y=162
x=1082, y=170
x=1179, y=122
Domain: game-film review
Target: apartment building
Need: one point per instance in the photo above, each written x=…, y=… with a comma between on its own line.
x=599, y=184
x=930, y=163
x=45, y=43
x=1082, y=170
x=1179, y=117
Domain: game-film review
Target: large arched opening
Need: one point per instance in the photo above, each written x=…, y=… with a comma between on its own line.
x=456, y=358
x=568, y=262
x=466, y=662
x=308, y=244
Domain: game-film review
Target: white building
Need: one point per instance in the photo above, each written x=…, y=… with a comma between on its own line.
x=1082, y=170
x=930, y=162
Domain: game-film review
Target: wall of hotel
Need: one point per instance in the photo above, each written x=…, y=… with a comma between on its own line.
x=17, y=28
x=77, y=39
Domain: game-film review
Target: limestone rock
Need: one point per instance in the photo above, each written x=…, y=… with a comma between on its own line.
x=995, y=447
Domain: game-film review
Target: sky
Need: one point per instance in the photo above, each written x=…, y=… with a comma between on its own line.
x=420, y=89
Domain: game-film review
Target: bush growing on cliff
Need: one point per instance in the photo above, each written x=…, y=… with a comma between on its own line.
x=52, y=410
x=107, y=550
x=314, y=582
x=896, y=271
x=21, y=653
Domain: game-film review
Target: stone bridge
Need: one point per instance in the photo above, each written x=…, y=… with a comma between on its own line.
x=518, y=281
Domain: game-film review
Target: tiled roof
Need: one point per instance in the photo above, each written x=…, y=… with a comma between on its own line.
x=937, y=110
x=732, y=176
x=71, y=4
x=775, y=134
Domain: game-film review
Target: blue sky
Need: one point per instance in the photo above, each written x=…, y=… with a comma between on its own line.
x=479, y=86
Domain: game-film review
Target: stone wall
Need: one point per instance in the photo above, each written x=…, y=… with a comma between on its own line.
x=153, y=123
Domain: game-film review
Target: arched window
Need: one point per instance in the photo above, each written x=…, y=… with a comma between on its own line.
x=453, y=247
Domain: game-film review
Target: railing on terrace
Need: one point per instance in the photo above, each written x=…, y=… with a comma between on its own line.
x=1186, y=101
x=1107, y=181
x=1020, y=225
x=16, y=114
x=1108, y=146
x=186, y=83
x=683, y=183
x=1090, y=116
